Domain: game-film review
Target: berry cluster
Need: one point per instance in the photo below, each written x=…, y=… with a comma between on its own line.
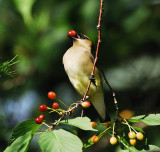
x=56, y=108
x=43, y=108
x=113, y=140
x=132, y=135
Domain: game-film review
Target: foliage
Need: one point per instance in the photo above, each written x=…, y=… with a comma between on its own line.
x=6, y=69
x=61, y=140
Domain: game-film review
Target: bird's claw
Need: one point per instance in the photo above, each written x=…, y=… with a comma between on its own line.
x=91, y=77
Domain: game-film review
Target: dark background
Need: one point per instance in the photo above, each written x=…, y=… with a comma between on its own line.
x=36, y=31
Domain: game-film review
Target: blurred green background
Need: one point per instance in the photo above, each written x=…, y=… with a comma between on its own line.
x=36, y=31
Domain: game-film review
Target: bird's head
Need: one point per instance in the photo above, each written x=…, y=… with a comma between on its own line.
x=79, y=38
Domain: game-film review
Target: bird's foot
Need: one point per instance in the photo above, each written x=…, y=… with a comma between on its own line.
x=91, y=77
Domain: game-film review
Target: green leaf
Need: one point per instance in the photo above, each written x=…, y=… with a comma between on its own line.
x=148, y=148
x=80, y=122
x=151, y=119
x=23, y=128
x=25, y=9
x=153, y=148
x=59, y=141
x=21, y=144
x=6, y=70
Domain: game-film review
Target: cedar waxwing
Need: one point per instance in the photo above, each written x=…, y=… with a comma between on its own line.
x=78, y=64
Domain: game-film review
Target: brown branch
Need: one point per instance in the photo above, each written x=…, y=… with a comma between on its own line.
x=115, y=101
x=113, y=93
x=97, y=49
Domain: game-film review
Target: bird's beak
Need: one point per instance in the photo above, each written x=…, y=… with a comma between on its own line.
x=82, y=36
x=79, y=36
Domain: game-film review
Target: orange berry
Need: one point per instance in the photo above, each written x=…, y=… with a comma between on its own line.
x=94, y=139
x=133, y=142
x=126, y=114
x=131, y=135
x=86, y=104
x=113, y=140
x=139, y=136
x=93, y=124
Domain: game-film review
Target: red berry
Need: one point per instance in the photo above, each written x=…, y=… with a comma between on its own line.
x=71, y=33
x=38, y=120
x=113, y=140
x=131, y=135
x=51, y=95
x=94, y=139
x=86, y=104
x=55, y=105
x=139, y=136
x=133, y=142
x=42, y=116
x=42, y=108
x=93, y=124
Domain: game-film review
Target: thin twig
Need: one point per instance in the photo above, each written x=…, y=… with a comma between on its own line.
x=115, y=100
x=63, y=114
x=97, y=50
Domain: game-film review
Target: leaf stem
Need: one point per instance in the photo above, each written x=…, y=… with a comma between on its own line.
x=62, y=103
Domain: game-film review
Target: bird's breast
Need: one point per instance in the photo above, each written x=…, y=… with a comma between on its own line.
x=77, y=63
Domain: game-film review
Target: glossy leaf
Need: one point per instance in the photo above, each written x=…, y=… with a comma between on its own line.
x=80, y=122
x=23, y=128
x=151, y=119
x=21, y=144
x=59, y=141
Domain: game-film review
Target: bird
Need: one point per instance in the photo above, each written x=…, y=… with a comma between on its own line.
x=78, y=63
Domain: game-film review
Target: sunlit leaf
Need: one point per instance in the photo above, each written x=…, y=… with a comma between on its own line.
x=151, y=119
x=23, y=128
x=59, y=141
x=148, y=148
x=80, y=122
x=21, y=143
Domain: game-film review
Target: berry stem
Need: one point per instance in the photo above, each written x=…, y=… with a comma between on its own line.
x=72, y=105
x=122, y=142
x=102, y=133
x=46, y=124
x=113, y=130
x=134, y=130
x=53, y=110
x=129, y=126
x=62, y=102
x=39, y=132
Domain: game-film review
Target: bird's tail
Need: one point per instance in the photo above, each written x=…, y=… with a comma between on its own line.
x=107, y=118
x=99, y=105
